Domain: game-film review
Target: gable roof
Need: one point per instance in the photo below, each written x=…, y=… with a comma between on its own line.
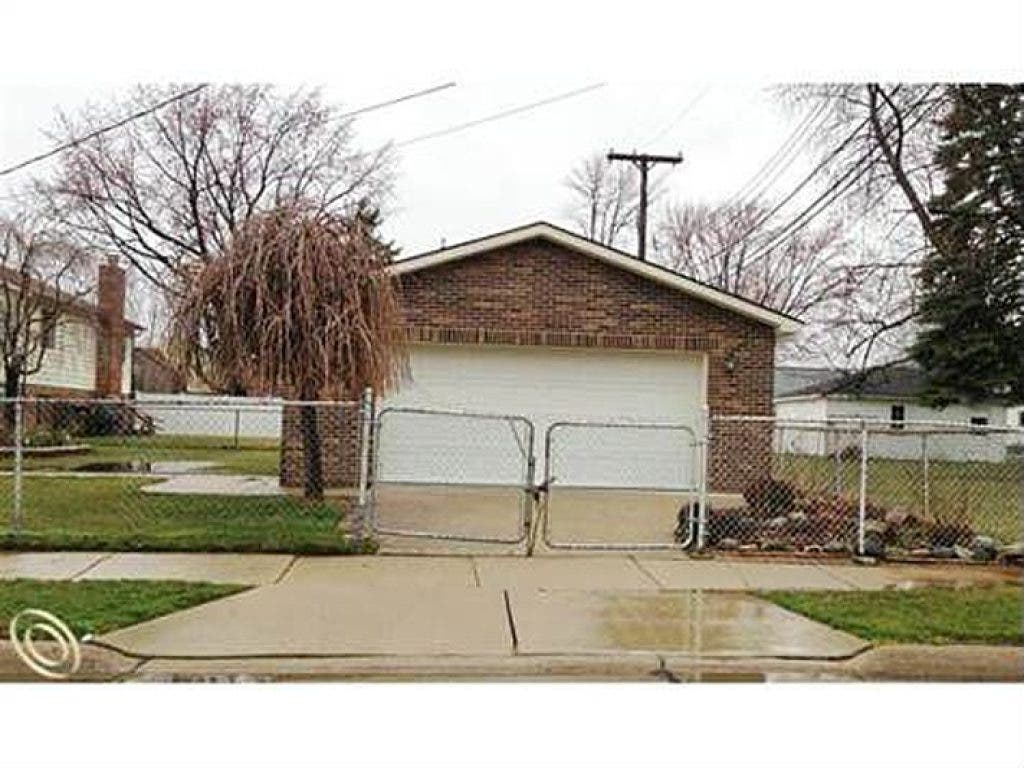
x=782, y=323
x=82, y=306
x=898, y=381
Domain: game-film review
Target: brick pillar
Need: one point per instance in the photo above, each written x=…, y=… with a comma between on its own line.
x=112, y=332
x=338, y=426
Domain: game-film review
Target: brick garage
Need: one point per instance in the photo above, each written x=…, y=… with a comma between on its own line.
x=540, y=287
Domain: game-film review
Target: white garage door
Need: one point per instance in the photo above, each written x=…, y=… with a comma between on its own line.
x=546, y=385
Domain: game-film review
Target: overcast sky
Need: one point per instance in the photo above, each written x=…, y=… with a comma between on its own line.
x=509, y=171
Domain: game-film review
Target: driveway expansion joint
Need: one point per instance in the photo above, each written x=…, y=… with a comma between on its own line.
x=101, y=559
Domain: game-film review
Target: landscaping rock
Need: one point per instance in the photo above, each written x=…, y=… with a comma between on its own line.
x=777, y=523
x=942, y=552
x=835, y=546
x=879, y=527
x=1012, y=554
x=728, y=544
x=797, y=517
x=984, y=548
x=963, y=552
x=874, y=545
x=748, y=548
x=920, y=552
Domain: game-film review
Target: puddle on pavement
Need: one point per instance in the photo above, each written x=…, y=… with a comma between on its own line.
x=146, y=467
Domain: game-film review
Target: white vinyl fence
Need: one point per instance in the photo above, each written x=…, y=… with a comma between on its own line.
x=212, y=415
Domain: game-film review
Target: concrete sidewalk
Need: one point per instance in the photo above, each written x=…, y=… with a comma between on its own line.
x=548, y=572
x=596, y=617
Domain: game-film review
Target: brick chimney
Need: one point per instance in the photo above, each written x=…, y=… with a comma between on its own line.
x=111, y=331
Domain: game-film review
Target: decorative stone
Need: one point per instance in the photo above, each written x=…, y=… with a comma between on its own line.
x=873, y=545
x=728, y=544
x=942, y=552
x=984, y=548
x=1012, y=553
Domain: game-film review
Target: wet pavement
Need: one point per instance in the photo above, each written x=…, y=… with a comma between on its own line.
x=314, y=619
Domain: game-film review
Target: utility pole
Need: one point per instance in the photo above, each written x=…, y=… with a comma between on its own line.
x=643, y=164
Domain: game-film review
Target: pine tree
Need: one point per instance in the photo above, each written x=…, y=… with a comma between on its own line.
x=972, y=282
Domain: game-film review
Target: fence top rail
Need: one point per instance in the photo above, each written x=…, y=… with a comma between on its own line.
x=909, y=426
x=454, y=412
x=213, y=403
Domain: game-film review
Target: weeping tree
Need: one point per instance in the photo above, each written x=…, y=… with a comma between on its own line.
x=299, y=304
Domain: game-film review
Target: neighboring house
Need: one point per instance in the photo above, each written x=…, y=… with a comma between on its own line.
x=153, y=372
x=892, y=396
x=90, y=352
x=546, y=324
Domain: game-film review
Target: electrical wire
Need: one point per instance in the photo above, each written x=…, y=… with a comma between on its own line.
x=498, y=115
x=835, y=191
x=679, y=116
x=101, y=131
x=398, y=100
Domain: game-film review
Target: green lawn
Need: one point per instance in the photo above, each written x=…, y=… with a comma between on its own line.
x=95, y=607
x=253, y=456
x=112, y=513
x=934, y=615
x=987, y=495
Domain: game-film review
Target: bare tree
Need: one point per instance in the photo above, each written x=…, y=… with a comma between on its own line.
x=168, y=191
x=41, y=280
x=712, y=244
x=299, y=304
x=876, y=152
x=605, y=200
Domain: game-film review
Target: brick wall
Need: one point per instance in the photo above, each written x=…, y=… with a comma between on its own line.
x=538, y=293
x=338, y=429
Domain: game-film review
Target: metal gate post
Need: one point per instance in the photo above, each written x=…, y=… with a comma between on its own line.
x=702, y=492
x=19, y=430
x=924, y=469
x=862, y=508
x=365, y=430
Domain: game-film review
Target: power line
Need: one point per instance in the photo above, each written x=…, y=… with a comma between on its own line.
x=679, y=116
x=106, y=129
x=498, y=115
x=783, y=157
x=192, y=91
x=834, y=192
x=398, y=100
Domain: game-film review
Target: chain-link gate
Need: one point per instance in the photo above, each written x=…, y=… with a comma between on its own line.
x=452, y=475
x=621, y=485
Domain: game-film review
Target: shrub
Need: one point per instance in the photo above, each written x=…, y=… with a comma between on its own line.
x=769, y=497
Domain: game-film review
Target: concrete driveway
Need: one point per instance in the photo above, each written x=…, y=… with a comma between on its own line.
x=495, y=607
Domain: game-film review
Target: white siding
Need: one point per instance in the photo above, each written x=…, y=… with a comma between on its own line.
x=72, y=361
x=794, y=438
x=126, y=365
x=896, y=444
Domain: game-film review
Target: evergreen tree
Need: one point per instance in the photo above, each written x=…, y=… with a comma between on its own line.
x=972, y=282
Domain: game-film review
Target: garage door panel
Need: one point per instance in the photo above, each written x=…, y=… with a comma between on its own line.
x=547, y=385
x=452, y=449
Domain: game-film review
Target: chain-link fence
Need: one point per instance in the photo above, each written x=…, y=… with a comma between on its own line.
x=199, y=474
x=452, y=475
x=911, y=489
x=618, y=485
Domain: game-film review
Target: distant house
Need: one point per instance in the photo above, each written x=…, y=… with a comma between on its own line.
x=890, y=396
x=89, y=354
x=153, y=372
